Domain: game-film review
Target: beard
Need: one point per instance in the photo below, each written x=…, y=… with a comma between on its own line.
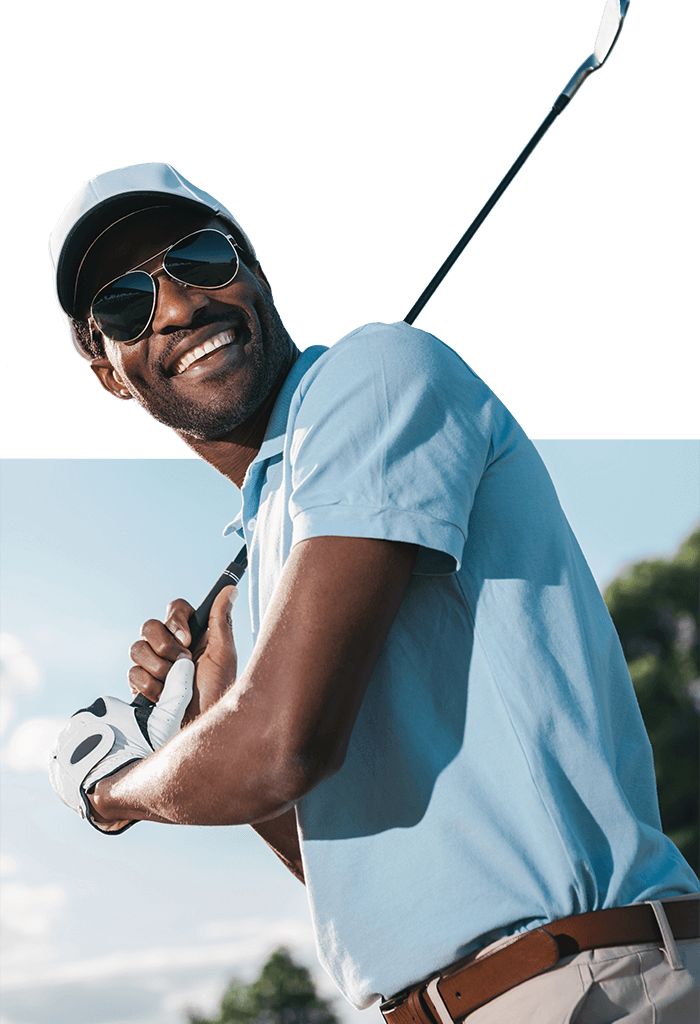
x=229, y=402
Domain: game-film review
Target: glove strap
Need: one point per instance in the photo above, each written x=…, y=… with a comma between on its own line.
x=106, y=830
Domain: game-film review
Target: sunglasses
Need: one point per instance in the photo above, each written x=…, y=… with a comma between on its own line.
x=124, y=308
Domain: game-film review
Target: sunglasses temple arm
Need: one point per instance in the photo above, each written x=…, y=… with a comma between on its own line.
x=561, y=102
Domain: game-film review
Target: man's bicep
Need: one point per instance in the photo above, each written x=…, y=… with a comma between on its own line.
x=320, y=640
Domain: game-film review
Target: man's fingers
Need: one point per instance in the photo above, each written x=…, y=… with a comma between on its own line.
x=220, y=615
x=163, y=642
x=160, y=639
x=217, y=641
x=158, y=649
x=217, y=665
x=141, y=681
x=177, y=617
x=220, y=622
x=143, y=655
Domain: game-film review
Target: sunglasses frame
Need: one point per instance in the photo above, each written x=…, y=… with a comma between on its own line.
x=154, y=285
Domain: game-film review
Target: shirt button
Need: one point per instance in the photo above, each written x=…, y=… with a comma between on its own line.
x=251, y=525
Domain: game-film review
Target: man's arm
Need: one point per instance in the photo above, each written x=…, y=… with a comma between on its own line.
x=284, y=726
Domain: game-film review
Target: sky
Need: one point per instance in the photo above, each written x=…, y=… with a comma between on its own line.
x=101, y=930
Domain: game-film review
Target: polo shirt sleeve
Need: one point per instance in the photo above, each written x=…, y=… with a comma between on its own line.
x=390, y=437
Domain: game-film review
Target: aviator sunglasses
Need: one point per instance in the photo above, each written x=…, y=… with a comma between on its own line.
x=124, y=308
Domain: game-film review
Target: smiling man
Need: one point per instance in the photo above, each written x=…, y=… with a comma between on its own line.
x=95, y=249
x=247, y=337
x=436, y=730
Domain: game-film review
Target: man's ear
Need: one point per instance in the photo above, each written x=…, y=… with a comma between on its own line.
x=109, y=378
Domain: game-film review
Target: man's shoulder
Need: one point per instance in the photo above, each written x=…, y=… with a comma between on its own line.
x=394, y=351
x=401, y=338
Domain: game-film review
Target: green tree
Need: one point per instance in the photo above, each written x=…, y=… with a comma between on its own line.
x=654, y=606
x=283, y=994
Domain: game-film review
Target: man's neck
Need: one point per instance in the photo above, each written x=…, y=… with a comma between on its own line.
x=233, y=453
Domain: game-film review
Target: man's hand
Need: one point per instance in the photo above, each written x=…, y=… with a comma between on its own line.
x=162, y=642
x=109, y=735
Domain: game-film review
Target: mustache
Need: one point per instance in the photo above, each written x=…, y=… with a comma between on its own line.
x=234, y=319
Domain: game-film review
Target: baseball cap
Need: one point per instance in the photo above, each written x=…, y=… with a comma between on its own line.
x=106, y=198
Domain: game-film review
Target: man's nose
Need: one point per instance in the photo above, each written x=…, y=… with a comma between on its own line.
x=176, y=306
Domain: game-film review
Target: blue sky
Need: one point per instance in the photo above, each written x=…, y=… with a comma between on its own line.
x=103, y=930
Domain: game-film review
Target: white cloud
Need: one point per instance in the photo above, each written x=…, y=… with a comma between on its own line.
x=204, y=996
x=28, y=910
x=18, y=671
x=26, y=915
x=8, y=866
x=254, y=940
x=29, y=746
x=189, y=977
x=98, y=645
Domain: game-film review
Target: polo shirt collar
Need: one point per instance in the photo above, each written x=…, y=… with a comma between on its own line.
x=273, y=442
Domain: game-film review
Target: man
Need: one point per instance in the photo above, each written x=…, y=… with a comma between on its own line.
x=436, y=729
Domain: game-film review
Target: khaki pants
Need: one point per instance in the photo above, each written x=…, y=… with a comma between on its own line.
x=635, y=984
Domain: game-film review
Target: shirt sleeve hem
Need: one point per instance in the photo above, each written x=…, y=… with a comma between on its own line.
x=441, y=543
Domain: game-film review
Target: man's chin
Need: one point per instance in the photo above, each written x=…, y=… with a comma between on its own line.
x=212, y=421
x=224, y=400
x=204, y=427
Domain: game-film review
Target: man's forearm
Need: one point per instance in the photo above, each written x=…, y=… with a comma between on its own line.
x=285, y=725
x=280, y=833
x=199, y=779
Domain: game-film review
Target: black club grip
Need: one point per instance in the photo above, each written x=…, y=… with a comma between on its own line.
x=232, y=574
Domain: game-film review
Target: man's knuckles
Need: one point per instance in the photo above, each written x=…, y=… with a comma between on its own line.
x=177, y=616
x=143, y=655
x=143, y=682
x=160, y=639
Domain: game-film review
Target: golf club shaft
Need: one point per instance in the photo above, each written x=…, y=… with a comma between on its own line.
x=483, y=214
x=199, y=620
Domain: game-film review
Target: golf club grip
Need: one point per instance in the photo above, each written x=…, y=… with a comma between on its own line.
x=199, y=620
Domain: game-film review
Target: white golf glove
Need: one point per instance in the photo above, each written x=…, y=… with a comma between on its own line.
x=111, y=734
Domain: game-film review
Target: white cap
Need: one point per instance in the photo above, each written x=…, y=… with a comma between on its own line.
x=114, y=194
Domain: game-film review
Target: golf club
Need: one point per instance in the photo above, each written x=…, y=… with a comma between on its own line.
x=199, y=620
x=610, y=27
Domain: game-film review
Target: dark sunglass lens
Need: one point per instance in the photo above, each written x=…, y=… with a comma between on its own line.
x=205, y=260
x=124, y=308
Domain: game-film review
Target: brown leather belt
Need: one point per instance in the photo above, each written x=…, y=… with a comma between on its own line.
x=476, y=980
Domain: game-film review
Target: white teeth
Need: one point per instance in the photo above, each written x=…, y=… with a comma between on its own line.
x=203, y=350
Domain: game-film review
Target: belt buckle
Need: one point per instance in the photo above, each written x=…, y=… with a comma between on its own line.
x=438, y=1002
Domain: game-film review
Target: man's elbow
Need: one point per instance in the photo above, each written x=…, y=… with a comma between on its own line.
x=292, y=774
x=280, y=784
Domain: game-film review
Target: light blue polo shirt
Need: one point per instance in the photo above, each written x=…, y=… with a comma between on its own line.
x=499, y=775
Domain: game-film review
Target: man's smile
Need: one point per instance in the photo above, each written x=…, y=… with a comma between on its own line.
x=195, y=350
x=200, y=351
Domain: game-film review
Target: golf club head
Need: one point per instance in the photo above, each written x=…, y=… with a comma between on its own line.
x=610, y=27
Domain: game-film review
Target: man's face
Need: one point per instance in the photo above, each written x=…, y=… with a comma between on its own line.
x=210, y=357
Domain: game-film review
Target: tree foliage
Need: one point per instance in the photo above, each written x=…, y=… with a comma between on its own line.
x=283, y=994
x=654, y=606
